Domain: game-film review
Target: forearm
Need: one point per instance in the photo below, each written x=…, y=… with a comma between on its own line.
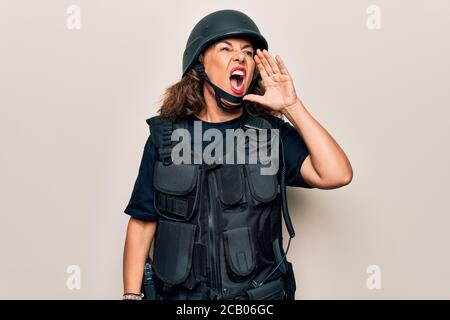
x=328, y=159
x=137, y=245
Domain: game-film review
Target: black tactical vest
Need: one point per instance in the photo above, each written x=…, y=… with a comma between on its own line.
x=219, y=235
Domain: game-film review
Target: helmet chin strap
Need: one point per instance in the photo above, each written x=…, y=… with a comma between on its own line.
x=219, y=93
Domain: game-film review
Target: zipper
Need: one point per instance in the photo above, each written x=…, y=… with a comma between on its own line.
x=211, y=238
x=215, y=236
x=213, y=255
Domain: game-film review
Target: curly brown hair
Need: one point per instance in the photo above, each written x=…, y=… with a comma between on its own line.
x=185, y=98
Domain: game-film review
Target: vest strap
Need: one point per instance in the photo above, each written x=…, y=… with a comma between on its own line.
x=161, y=132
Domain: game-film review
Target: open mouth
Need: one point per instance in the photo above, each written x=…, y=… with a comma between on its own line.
x=237, y=78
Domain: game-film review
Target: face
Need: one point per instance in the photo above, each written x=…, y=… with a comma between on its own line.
x=227, y=57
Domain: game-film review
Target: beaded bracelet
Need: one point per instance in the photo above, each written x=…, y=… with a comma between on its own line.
x=132, y=296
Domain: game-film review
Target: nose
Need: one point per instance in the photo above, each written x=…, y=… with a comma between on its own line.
x=240, y=56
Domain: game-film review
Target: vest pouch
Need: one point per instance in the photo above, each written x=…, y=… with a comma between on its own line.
x=239, y=252
x=263, y=187
x=231, y=184
x=176, y=190
x=174, y=242
x=273, y=290
x=266, y=230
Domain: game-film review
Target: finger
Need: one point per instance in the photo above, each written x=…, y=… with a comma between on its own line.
x=262, y=71
x=265, y=63
x=283, y=68
x=253, y=98
x=261, y=68
x=272, y=62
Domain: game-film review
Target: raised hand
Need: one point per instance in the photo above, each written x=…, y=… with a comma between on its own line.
x=279, y=87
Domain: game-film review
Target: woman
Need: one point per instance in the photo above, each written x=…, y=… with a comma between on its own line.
x=219, y=224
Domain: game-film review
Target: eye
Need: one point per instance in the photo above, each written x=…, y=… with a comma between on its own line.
x=225, y=48
x=250, y=53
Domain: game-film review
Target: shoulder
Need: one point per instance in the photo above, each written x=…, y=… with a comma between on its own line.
x=158, y=120
x=154, y=120
x=262, y=120
x=162, y=128
x=286, y=130
x=277, y=123
x=157, y=124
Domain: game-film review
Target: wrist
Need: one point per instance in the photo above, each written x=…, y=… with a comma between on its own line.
x=290, y=108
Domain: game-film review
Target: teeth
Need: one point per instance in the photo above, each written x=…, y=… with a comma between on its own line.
x=238, y=72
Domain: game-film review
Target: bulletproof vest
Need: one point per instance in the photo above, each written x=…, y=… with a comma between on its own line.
x=219, y=235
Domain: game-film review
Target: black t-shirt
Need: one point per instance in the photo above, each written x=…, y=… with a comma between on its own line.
x=141, y=204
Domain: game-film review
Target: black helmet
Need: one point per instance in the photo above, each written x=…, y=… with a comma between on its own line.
x=215, y=26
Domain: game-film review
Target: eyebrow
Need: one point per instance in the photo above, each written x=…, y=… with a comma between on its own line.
x=245, y=46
